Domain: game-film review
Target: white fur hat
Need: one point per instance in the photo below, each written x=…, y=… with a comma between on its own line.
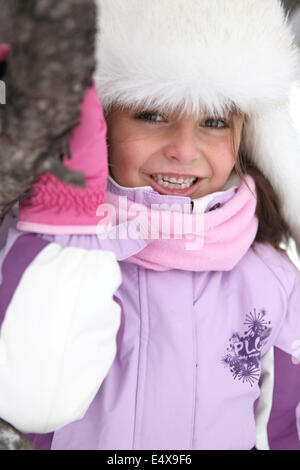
x=213, y=55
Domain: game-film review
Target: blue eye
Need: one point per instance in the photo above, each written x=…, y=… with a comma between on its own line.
x=214, y=123
x=150, y=116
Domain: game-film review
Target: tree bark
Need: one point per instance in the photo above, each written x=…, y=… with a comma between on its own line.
x=47, y=72
x=12, y=439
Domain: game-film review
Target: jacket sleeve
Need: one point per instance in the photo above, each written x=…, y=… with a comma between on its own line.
x=58, y=326
x=278, y=411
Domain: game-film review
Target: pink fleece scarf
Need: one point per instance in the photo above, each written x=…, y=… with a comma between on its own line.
x=211, y=241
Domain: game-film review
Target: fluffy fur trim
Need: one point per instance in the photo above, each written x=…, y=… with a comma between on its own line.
x=195, y=53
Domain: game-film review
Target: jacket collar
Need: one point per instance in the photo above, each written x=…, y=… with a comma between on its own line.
x=147, y=196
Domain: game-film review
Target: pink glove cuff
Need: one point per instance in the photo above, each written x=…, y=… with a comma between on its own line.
x=58, y=208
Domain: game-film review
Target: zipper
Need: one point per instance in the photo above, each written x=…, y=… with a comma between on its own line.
x=142, y=362
x=195, y=364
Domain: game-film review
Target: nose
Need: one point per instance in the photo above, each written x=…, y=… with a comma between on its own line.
x=183, y=144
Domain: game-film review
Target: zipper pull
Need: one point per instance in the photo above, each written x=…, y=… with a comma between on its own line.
x=216, y=206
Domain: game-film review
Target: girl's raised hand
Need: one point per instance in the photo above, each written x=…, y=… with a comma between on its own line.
x=54, y=206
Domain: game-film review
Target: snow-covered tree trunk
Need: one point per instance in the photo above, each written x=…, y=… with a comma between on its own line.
x=49, y=67
x=12, y=439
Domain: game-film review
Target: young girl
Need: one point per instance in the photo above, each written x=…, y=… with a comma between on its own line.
x=199, y=346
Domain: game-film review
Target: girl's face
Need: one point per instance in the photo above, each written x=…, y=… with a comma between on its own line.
x=174, y=154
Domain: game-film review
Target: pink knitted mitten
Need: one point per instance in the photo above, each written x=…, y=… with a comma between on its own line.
x=56, y=207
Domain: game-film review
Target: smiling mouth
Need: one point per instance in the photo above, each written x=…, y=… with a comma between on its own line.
x=184, y=185
x=173, y=182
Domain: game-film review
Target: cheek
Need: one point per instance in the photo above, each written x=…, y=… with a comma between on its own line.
x=221, y=158
x=126, y=158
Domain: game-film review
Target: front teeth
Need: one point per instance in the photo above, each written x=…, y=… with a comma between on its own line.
x=174, y=183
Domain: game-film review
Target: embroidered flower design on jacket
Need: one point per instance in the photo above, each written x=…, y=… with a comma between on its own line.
x=244, y=352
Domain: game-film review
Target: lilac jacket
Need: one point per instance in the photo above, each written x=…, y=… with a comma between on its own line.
x=203, y=360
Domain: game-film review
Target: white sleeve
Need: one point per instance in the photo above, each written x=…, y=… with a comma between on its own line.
x=58, y=338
